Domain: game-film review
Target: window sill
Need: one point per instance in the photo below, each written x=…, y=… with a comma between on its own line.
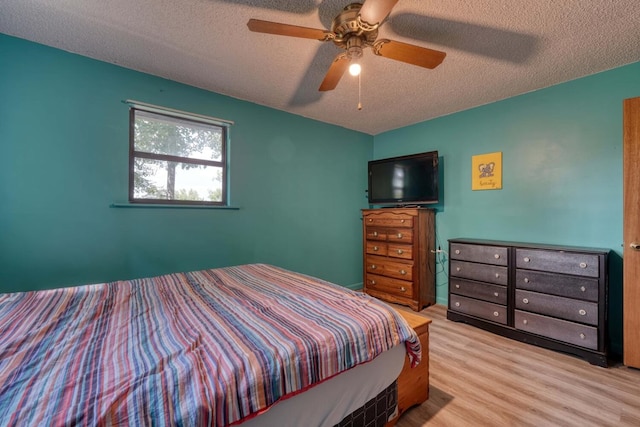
x=168, y=206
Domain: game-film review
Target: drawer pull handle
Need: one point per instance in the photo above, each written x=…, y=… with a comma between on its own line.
x=527, y=259
x=495, y=294
x=457, y=251
x=458, y=268
x=525, y=300
x=370, y=220
x=375, y=248
x=403, y=272
x=497, y=256
x=457, y=286
x=497, y=275
x=582, y=336
x=583, y=265
x=525, y=322
x=400, y=251
x=403, y=289
x=373, y=282
x=373, y=266
x=399, y=235
x=583, y=289
x=582, y=312
x=402, y=221
x=496, y=314
x=457, y=304
x=375, y=233
x=526, y=280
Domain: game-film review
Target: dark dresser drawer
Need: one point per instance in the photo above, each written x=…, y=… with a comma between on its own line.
x=579, y=264
x=557, y=284
x=485, y=310
x=477, y=253
x=563, y=308
x=479, y=290
x=483, y=272
x=562, y=330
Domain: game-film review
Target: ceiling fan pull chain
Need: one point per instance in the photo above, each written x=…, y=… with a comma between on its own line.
x=359, y=90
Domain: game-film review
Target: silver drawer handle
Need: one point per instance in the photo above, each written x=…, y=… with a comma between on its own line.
x=399, y=235
x=457, y=286
x=403, y=272
x=582, y=336
x=403, y=289
x=373, y=282
x=375, y=248
x=457, y=251
x=495, y=294
x=458, y=268
x=582, y=312
x=497, y=275
x=496, y=314
x=375, y=233
x=583, y=289
x=583, y=265
x=373, y=266
x=497, y=256
x=399, y=251
x=457, y=304
x=525, y=322
x=527, y=259
x=526, y=280
x=525, y=300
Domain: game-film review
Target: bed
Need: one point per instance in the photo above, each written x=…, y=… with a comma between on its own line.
x=250, y=345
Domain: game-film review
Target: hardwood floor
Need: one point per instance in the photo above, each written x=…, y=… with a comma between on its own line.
x=481, y=379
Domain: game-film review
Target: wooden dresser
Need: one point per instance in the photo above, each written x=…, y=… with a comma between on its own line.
x=399, y=258
x=547, y=295
x=413, y=383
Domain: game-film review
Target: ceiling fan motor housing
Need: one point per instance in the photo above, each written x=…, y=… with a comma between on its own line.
x=350, y=33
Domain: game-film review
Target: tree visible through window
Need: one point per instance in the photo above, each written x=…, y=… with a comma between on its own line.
x=176, y=160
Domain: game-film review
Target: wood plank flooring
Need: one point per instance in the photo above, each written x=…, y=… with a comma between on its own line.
x=481, y=379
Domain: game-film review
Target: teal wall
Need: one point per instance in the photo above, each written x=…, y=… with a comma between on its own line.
x=562, y=170
x=298, y=183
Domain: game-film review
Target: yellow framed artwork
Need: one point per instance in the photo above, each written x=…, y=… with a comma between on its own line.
x=486, y=171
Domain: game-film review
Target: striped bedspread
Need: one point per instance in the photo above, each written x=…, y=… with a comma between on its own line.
x=210, y=347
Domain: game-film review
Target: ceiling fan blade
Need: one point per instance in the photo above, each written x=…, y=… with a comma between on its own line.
x=269, y=27
x=336, y=70
x=409, y=53
x=373, y=12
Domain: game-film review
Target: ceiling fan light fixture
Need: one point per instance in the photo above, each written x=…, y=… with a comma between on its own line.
x=354, y=69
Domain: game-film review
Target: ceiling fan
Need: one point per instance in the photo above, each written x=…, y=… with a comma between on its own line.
x=355, y=28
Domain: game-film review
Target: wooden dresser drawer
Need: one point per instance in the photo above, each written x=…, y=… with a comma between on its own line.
x=561, y=307
x=558, y=284
x=384, y=267
x=372, y=233
x=479, y=290
x=400, y=251
x=376, y=248
x=400, y=236
x=482, y=272
x=495, y=255
x=389, y=285
x=579, y=264
x=485, y=310
x=562, y=330
x=389, y=219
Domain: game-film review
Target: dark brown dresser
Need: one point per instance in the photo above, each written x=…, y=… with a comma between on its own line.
x=398, y=255
x=546, y=295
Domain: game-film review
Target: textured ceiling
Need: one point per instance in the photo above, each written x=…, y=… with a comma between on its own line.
x=495, y=49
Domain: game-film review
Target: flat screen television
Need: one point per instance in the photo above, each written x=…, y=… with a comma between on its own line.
x=405, y=180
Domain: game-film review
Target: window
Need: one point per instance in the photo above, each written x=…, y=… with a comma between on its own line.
x=176, y=157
